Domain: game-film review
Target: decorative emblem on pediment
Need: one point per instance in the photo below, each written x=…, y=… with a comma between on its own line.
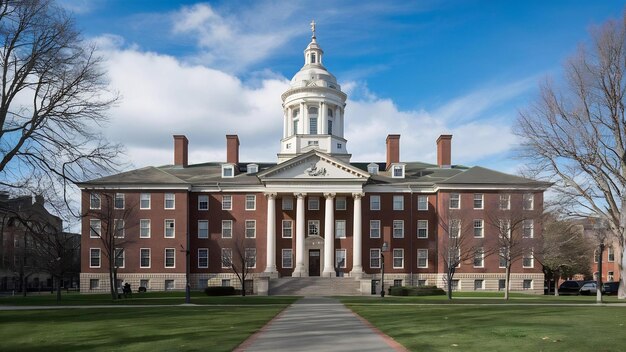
x=315, y=171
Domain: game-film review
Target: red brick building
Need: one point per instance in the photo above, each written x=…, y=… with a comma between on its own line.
x=313, y=213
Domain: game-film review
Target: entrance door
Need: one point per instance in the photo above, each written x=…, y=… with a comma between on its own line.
x=314, y=262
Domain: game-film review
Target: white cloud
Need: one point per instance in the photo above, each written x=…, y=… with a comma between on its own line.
x=80, y=6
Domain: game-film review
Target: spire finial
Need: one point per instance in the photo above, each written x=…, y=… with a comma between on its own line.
x=313, y=28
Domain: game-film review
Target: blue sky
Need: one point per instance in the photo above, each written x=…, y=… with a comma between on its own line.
x=423, y=68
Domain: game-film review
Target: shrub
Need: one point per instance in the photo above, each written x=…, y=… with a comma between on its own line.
x=416, y=291
x=219, y=291
x=142, y=289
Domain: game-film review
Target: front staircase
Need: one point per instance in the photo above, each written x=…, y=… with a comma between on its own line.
x=315, y=286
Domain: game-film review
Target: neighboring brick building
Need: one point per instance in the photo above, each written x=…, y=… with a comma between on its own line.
x=314, y=213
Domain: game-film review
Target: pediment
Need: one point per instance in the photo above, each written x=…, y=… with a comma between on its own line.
x=314, y=166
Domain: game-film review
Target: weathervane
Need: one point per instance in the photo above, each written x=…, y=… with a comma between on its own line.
x=313, y=28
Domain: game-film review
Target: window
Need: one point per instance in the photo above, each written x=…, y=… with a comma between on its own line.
x=144, y=228
x=372, y=168
x=375, y=258
x=505, y=201
x=454, y=256
x=95, y=227
x=501, y=284
x=528, y=261
x=374, y=228
x=479, y=228
x=295, y=126
x=170, y=257
x=250, y=202
x=287, y=258
x=611, y=254
x=228, y=171
x=169, y=228
x=340, y=258
x=313, y=125
x=610, y=276
x=398, y=229
x=339, y=145
x=527, y=284
x=330, y=126
x=314, y=228
x=502, y=254
x=422, y=228
x=340, y=203
x=479, y=258
x=398, y=202
x=94, y=258
x=529, y=201
x=144, y=257
x=287, y=203
x=397, y=282
x=227, y=202
x=479, y=285
x=454, y=229
x=119, y=201
x=250, y=228
x=310, y=143
x=340, y=229
x=421, y=282
x=398, y=171
x=398, y=258
x=313, y=58
x=528, y=226
x=455, y=285
x=422, y=203
x=455, y=201
x=227, y=228
x=119, y=228
x=144, y=201
x=225, y=282
x=374, y=202
x=314, y=203
x=169, y=285
x=203, y=229
x=250, y=256
x=94, y=284
x=252, y=168
x=203, y=257
x=505, y=228
x=169, y=201
x=203, y=202
x=478, y=200
x=227, y=257
x=422, y=258
x=287, y=229
x=94, y=201
x=202, y=283
x=119, y=257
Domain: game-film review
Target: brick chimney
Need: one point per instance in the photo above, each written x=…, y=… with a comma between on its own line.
x=444, y=150
x=393, y=150
x=180, y=150
x=232, y=149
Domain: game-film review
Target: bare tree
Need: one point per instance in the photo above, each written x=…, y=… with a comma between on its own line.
x=241, y=259
x=575, y=134
x=111, y=218
x=53, y=100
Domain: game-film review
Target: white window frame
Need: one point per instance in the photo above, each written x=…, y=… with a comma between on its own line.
x=479, y=197
x=308, y=227
x=398, y=202
x=290, y=228
x=398, y=224
x=340, y=225
x=376, y=227
x=345, y=258
x=284, y=251
x=141, y=228
x=454, y=228
x=252, y=168
x=229, y=226
x=92, y=199
x=287, y=203
x=341, y=203
x=93, y=226
x=482, y=284
x=227, y=202
x=481, y=227
x=528, y=199
x=530, y=287
x=480, y=251
x=374, y=202
x=455, y=197
x=226, y=253
x=123, y=259
x=247, y=252
x=200, y=234
x=530, y=257
x=250, y=231
x=230, y=168
x=119, y=228
x=205, y=250
x=171, y=250
x=374, y=250
x=91, y=257
x=504, y=202
x=397, y=171
x=610, y=252
x=250, y=202
x=145, y=197
x=394, y=252
x=422, y=203
x=313, y=203
x=149, y=258
x=424, y=256
x=119, y=196
x=203, y=198
x=502, y=257
x=528, y=225
x=173, y=200
x=420, y=226
x=173, y=222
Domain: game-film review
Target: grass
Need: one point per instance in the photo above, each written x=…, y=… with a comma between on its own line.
x=206, y=328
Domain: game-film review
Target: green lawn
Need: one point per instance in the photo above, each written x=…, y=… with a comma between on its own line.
x=463, y=327
x=479, y=298
x=197, y=328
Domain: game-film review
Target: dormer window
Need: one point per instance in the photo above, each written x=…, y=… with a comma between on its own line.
x=228, y=171
x=252, y=168
x=372, y=168
x=397, y=171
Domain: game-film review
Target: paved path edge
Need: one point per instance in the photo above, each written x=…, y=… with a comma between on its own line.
x=388, y=339
x=250, y=340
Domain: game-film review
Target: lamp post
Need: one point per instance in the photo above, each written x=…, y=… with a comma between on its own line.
x=383, y=249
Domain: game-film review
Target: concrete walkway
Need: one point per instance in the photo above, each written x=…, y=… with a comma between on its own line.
x=319, y=324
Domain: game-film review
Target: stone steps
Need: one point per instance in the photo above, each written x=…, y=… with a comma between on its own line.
x=314, y=286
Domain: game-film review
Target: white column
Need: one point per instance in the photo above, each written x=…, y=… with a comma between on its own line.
x=322, y=119
x=271, y=233
x=329, y=236
x=299, y=270
x=304, y=119
x=357, y=238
